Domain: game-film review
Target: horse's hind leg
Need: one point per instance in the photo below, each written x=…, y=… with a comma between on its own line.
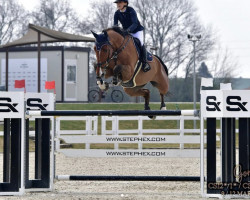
x=163, y=105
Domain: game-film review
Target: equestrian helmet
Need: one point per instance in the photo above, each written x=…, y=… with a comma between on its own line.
x=118, y=1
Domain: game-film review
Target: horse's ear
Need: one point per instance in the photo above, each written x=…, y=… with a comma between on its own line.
x=94, y=34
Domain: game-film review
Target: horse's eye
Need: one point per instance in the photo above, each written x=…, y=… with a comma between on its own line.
x=105, y=50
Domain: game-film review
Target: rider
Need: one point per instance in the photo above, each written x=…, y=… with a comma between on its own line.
x=128, y=18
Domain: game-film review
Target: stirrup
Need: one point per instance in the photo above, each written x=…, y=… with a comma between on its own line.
x=145, y=67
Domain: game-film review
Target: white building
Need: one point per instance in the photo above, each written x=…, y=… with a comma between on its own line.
x=67, y=66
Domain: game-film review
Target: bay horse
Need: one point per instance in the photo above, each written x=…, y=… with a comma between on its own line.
x=117, y=57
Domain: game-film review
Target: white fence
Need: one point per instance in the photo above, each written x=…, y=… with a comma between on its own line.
x=68, y=135
x=116, y=135
x=112, y=133
x=140, y=136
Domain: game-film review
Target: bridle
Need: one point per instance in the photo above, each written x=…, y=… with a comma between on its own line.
x=114, y=55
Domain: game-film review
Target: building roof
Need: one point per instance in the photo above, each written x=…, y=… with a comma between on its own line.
x=47, y=36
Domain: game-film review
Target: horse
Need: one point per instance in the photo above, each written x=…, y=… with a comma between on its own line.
x=117, y=57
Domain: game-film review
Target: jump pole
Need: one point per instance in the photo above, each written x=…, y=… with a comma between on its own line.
x=113, y=113
x=127, y=178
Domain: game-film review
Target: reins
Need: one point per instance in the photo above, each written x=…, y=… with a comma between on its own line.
x=114, y=55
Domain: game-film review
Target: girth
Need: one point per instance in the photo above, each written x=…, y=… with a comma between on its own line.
x=131, y=83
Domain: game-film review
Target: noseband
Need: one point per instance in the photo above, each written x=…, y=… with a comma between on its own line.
x=113, y=56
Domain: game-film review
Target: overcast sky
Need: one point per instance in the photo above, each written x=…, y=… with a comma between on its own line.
x=230, y=18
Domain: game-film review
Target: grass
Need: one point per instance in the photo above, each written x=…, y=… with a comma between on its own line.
x=74, y=125
x=129, y=106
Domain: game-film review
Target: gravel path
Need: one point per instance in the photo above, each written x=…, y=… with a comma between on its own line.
x=122, y=189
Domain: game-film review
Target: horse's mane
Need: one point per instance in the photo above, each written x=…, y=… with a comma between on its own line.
x=118, y=30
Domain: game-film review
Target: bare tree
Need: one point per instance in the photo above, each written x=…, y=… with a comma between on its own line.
x=224, y=65
x=100, y=17
x=55, y=14
x=12, y=18
x=167, y=24
x=103, y=13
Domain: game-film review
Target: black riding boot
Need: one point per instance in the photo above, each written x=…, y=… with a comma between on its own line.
x=145, y=66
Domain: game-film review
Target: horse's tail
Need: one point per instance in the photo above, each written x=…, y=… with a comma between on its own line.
x=165, y=67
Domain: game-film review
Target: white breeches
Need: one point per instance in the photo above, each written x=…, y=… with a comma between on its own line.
x=139, y=35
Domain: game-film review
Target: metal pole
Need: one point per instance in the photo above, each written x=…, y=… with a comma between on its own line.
x=194, y=83
x=113, y=112
x=127, y=178
x=7, y=71
x=39, y=63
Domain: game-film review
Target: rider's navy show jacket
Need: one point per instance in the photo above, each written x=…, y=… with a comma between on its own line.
x=128, y=20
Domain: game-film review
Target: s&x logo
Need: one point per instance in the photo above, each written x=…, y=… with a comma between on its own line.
x=36, y=104
x=6, y=102
x=234, y=104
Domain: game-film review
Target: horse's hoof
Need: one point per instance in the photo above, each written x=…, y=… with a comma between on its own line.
x=153, y=117
x=163, y=108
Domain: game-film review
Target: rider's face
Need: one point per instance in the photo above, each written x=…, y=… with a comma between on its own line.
x=120, y=5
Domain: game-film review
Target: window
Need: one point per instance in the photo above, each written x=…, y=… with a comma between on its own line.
x=71, y=73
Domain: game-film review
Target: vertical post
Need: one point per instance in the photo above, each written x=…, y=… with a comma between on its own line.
x=202, y=155
x=15, y=176
x=88, y=130
x=27, y=153
x=63, y=75
x=194, y=39
x=6, y=151
x=95, y=125
x=244, y=148
x=38, y=148
x=228, y=150
x=57, y=135
x=182, y=127
x=115, y=129
x=7, y=70
x=140, y=130
x=194, y=82
x=39, y=64
x=45, y=171
x=42, y=169
x=103, y=124
x=211, y=154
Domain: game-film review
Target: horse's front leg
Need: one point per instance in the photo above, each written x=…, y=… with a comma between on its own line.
x=117, y=77
x=102, y=84
x=122, y=73
x=138, y=91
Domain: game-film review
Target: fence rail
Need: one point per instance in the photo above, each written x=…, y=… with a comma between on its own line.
x=112, y=133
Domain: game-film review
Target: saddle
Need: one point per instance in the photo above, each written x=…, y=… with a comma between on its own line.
x=137, y=44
